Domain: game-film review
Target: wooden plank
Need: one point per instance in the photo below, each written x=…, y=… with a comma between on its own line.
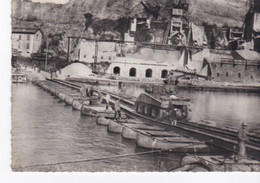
x=163, y=133
x=142, y=126
x=179, y=139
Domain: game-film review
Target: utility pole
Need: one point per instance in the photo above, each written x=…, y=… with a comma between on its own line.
x=46, y=58
x=96, y=55
x=68, y=51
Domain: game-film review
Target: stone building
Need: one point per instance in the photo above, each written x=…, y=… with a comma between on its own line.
x=140, y=23
x=234, y=66
x=26, y=41
x=89, y=49
x=147, y=63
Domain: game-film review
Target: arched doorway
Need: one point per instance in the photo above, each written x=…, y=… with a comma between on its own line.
x=132, y=72
x=164, y=73
x=149, y=73
x=116, y=70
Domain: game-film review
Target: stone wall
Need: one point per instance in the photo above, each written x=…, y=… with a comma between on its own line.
x=134, y=70
x=236, y=73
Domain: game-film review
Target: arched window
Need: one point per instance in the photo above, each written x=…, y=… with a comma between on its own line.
x=116, y=70
x=132, y=72
x=239, y=75
x=164, y=73
x=226, y=74
x=148, y=73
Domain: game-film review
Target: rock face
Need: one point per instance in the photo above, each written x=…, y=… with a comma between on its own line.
x=230, y=12
x=109, y=15
x=219, y=12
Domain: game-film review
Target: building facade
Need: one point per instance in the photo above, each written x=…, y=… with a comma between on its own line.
x=240, y=66
x=235, y=71
x=103, y=51
x=26, y=41
x=141, y=69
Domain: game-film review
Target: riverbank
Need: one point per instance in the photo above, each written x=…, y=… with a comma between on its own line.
x=202, y=85
x=199, y=85
x=84, y=75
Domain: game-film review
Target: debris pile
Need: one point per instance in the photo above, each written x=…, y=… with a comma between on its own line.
x=74, y=69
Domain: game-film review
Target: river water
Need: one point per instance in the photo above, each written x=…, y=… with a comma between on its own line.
x=220, y=109
x=46, y=132
x=228, y=110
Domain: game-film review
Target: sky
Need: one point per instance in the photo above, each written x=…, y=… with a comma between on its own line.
x=52, y=1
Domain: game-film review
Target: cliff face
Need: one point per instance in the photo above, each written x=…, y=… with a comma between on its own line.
x=220, y=12
x=230, y=12
x=108, y=15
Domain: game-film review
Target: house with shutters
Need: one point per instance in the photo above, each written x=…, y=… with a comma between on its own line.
x=26, y=41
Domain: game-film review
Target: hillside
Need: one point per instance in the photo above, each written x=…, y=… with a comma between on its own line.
x=108, y=15
x=230, y=12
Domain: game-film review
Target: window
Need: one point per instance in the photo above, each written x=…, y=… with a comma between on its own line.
x=20, y=37
x=28, y=46
x=132, y=72
x=85, y=56
x=149, y=73
x=164, y=73
x=226, y=74
x=102, y=57
x=28, y=37
x=251, y=77
x=239, y=75
x=218, y=74
x=116, y=70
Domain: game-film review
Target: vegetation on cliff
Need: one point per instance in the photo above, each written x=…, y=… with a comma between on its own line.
x=109, y=19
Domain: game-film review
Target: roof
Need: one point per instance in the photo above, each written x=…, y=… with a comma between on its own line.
x=148, y=99
x=248, y=54
x=235, y=55
x=25, y=30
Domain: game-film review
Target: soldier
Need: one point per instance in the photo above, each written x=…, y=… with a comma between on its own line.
x=117, y=109
x=82, y=93
x=107, y=99
x=51, y=73
x=242, y=138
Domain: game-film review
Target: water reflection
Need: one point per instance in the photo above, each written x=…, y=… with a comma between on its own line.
x=225, y=109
